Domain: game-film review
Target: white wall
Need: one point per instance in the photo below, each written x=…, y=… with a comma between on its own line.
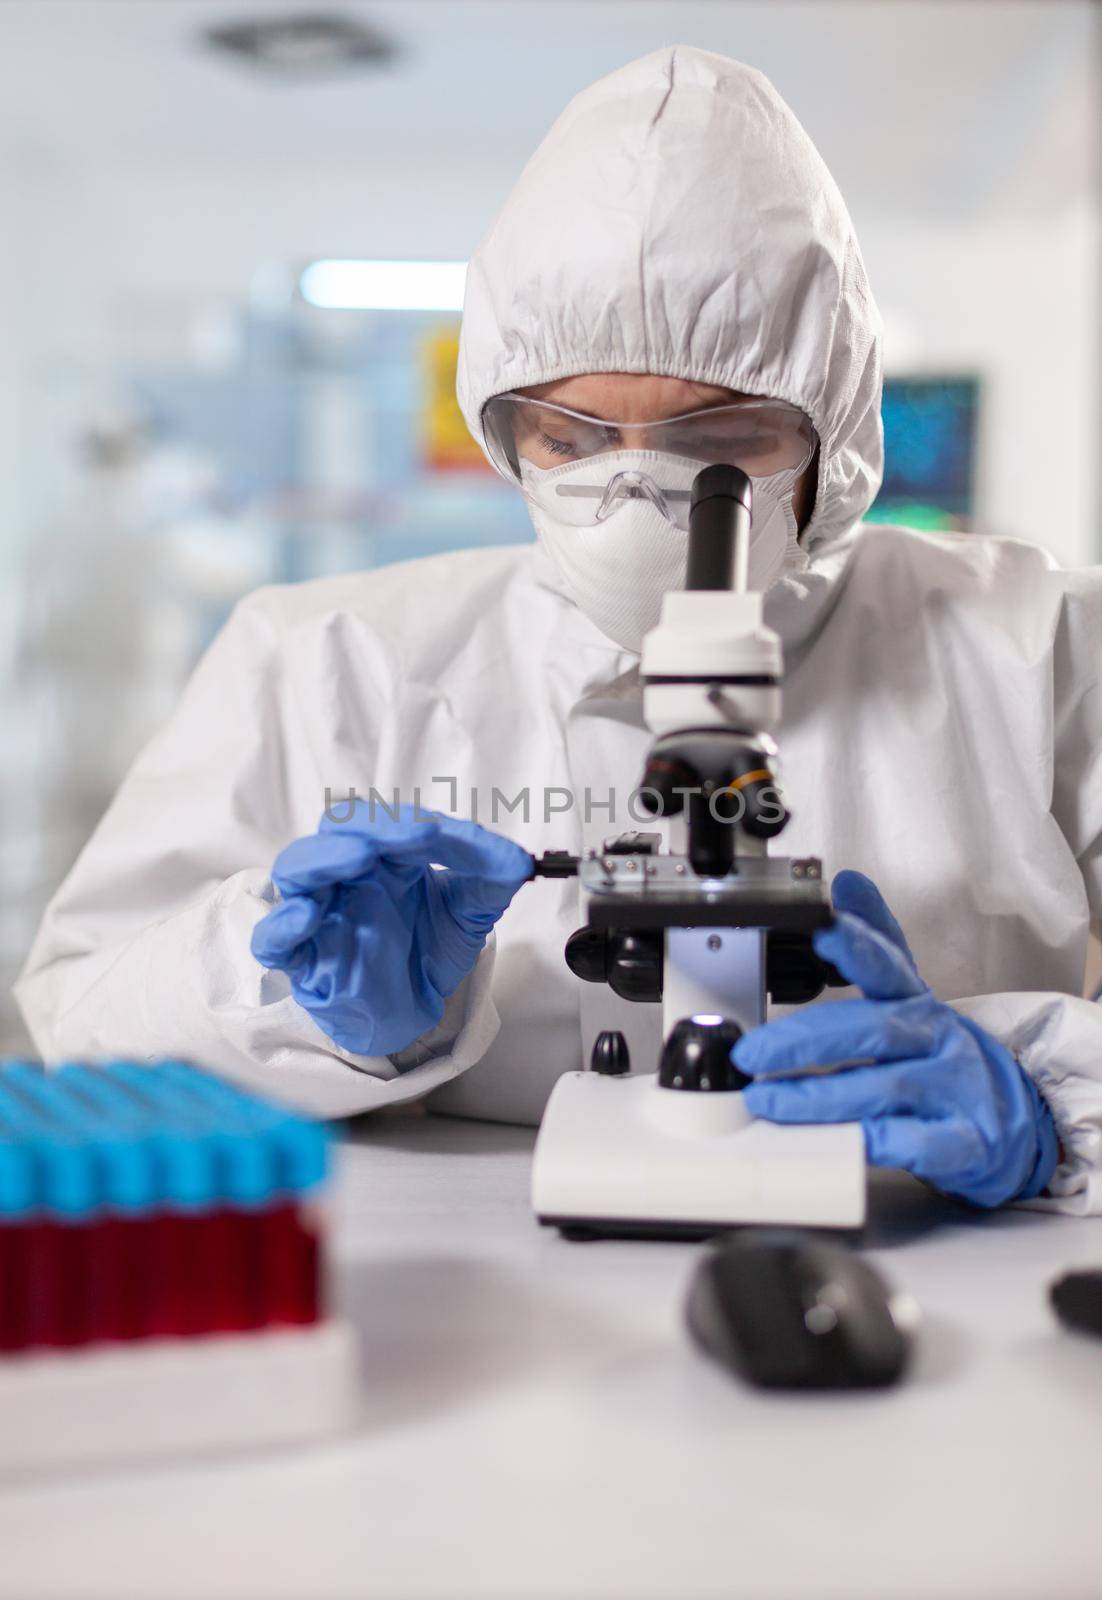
x=1017, y=302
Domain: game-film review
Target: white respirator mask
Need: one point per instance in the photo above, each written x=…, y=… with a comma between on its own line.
x=611, y=499
x=617, y=569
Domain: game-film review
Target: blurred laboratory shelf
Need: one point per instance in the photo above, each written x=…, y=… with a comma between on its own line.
x=537, y=1423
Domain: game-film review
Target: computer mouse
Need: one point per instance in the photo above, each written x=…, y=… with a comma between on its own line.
x=1077, y=1300
x=789, y=1310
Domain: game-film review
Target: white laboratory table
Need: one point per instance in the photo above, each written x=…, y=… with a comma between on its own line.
x=538, y=1424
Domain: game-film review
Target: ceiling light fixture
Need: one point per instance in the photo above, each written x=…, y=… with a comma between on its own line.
x=384, y=285
x=309, y=45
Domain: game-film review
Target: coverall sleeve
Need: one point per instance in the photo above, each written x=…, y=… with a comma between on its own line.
x=1057, y=1038
x=144, y=950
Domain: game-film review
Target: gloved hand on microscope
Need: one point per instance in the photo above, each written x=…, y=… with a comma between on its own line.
x=936, y=1094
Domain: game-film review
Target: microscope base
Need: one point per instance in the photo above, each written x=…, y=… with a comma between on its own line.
x=619, y=1155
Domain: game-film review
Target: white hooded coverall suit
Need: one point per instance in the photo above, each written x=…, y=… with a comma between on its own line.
x=942, y=708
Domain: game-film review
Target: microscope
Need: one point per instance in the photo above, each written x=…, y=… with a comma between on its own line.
x=710, y=932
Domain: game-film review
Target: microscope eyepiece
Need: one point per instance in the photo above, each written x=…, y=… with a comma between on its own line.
x=719, y=529
x=730, y=482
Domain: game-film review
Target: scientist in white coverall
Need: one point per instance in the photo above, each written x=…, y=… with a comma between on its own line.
x=674, y=247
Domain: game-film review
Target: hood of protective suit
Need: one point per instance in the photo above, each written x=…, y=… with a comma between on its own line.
x=678, y=220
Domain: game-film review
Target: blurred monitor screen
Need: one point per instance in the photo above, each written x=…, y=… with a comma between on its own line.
x=929, y=452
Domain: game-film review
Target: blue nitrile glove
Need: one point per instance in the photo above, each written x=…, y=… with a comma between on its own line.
x=372, y=936
x=935, y=1094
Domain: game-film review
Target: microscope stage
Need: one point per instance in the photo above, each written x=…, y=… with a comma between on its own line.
x=621, y=1155
x=638, y=890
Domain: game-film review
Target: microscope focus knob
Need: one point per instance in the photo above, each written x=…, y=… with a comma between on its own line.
x=697, y=1056
x=587, y=954
x=610, y=1054
x=629, y=961
x=635, y=963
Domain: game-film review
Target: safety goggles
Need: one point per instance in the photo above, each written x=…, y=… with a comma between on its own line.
x=580, y=469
